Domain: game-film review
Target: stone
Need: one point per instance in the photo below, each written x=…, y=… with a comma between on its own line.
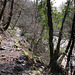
x=40, y=69
x=18, y=68
x=19, y=61
x=3, y=71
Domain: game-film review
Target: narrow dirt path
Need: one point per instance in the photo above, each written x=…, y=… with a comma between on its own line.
x=10, y=51
x=11, y=60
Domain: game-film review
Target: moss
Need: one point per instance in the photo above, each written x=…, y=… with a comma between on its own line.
x=34, y=72
x=26, y=53
x=17, y=43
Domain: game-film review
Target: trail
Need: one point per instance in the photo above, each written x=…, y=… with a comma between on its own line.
x=11, y=60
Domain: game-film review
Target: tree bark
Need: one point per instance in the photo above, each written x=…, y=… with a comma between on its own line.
x=10, y=16
x=4, y=5
x=50, y=24
x=60, y=33
x=72, y=41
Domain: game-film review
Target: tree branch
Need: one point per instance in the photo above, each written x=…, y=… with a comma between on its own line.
x=50, y=24
x=60, y=33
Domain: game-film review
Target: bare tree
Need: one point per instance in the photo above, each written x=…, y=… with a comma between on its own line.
x=55, y=54
x=10, y=15
x=4, y=5
x=50, y=24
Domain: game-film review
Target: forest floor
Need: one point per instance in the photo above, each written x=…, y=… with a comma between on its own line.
x=16, y=59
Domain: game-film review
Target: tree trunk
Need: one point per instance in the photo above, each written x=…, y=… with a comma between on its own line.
x=50, y=24
x=72, y=42
x=60, y=33
x=4, y=5
x=9, y=18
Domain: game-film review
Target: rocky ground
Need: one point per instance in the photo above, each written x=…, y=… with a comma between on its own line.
x=16, y=59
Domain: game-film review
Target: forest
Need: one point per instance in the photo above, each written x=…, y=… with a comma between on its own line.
x=37, y=37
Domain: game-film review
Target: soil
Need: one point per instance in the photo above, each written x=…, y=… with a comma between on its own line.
x=8, y=57
x=14, y=62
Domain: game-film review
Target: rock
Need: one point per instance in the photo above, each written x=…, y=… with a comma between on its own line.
x=18, y=49
x=40, y=69
x=30, y=49
x=19, y=61
x=23, y=65
x=15, y=46
x=0, y=74
x=2, y=49
x=36, y=72
x=9, y=74
x=2, y=55
x=18, y=68
x=34, y=68
x=3, y=71
x=3, y=58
